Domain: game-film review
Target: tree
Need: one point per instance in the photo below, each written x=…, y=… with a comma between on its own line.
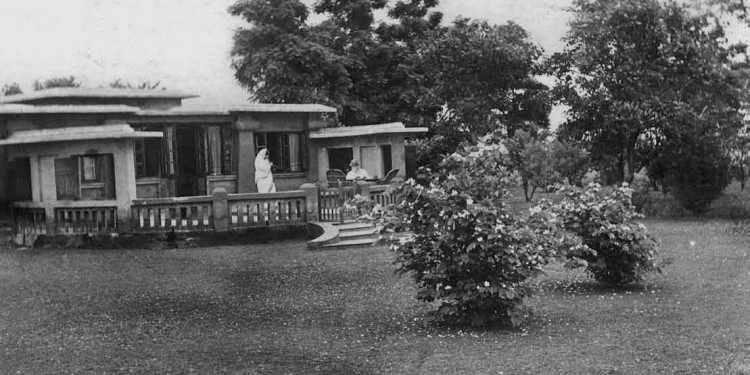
x=56, y=82
x=483, y=75
x=633, y=68
x=570, y=160
x=11, y=89
x=401, y=69
x=532, y=157
x=739, y=154
x=278, y=61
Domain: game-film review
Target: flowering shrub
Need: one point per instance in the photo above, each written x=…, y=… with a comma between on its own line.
x=623, y=252
x=359, y=207
x=465, y=252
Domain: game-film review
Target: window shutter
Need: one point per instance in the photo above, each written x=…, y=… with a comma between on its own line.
x=107, y=164
x=66, y=178
x=168, y=159
x=214, y=141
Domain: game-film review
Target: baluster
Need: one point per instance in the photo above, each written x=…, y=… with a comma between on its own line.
x=271, y=212
x=199, y=216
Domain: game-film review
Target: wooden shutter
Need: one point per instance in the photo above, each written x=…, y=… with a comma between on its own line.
x=107, y=165
x=168, y=157
x=66, y=178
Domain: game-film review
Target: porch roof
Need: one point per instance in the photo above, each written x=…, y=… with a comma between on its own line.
x=273, y=107
x=78, y=92
x=79, y=133
x=354, y=131
x=49, y=109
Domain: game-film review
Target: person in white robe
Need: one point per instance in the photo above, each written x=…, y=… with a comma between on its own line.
x=263, y=174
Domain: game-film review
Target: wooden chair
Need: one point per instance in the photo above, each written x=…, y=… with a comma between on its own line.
x=335, y=176
x=388, y=177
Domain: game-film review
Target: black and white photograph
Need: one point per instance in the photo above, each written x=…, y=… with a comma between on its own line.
x=367, y=187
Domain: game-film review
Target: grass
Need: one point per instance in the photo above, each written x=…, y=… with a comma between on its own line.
x=278, y=309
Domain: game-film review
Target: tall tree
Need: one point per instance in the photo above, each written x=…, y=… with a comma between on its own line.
x=484, y=75
x=278, y=61
x=644, y=69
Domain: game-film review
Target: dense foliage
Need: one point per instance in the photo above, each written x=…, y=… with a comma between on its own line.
x=640, y=73
x=623, y=252
x=466, y=252
x=698, y=175
x=461, y=80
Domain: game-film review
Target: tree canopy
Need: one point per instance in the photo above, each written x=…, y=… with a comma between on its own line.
x=463, y=79
x=644, y=72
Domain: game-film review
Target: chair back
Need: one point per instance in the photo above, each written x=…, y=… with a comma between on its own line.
x=388, y=177
x=334, y=176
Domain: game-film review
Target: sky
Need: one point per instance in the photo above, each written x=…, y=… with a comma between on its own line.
x=183, y=44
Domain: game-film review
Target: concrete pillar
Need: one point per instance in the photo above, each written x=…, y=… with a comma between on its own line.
x=220, y=210
x=311, y=201
x=49, y=189
x=125, y=184
x=246, y=162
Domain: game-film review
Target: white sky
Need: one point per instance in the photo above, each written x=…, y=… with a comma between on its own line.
x=184, y=44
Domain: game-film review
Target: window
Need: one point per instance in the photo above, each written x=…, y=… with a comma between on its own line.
x=87, y=177
x=20, y=179
x=148, y=157
x=339, y=158
x=208, y=148
x=387, y=158
x=218, y=147
x=287, y=151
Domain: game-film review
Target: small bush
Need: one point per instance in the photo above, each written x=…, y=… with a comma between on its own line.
x=623, y=252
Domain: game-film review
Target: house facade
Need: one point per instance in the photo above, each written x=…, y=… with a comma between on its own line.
x=69, y=148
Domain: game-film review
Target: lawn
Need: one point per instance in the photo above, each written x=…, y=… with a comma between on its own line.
x=278, y=309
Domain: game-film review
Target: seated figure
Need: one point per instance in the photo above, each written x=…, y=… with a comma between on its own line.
x=357, y=173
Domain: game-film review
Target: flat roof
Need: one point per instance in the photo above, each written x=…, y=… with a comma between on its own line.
x=182, y=112
x=273, y=107
x=42, y=109
x=353, y=131
x=77, y=92
x=79, y=133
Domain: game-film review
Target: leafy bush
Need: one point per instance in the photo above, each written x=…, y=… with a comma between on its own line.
x=466, y=252
x=623, y=252
x=699, y=176
x=472, y=258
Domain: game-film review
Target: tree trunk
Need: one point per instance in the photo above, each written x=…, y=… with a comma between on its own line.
x=628, y=158
x=525, y=184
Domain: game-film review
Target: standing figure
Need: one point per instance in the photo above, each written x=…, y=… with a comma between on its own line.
x=263, y=175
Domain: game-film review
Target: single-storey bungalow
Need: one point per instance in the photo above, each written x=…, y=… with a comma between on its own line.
x=74, y=147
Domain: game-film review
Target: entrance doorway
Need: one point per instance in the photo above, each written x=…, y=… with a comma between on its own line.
x=190, y=177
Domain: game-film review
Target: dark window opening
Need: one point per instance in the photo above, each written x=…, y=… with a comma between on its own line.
x=339, y=158
x=148, y=157
x=20, y=179
x=387, y=158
